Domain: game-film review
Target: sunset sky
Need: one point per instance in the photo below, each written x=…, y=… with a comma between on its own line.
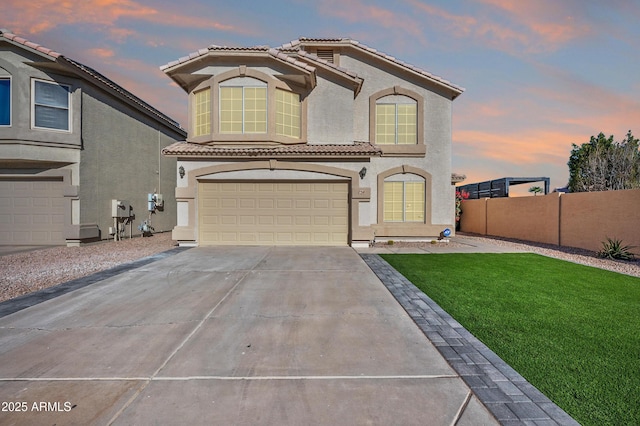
x=539, y=74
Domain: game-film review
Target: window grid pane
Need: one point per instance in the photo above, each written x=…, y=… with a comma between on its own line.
x=414, y=201
x=385, y=124
x=243, y=110
x=255, y=110
x=231, y=110
x=51, y=105
x=396, y=124
x=393, y=202
x=202, y=112
x=287, y=114
x=5, y=102
x=407, y=131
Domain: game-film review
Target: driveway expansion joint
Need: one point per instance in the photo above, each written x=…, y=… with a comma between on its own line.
x=506, y=394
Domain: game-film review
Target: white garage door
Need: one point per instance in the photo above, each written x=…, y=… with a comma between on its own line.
x=31, y=212
x=279, y=213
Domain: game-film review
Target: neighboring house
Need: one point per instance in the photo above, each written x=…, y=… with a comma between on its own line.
x=71, y=141
x=316, y=142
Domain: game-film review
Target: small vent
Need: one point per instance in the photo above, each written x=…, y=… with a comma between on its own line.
x=326, y=54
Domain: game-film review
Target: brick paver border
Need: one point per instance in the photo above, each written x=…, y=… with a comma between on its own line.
x=505, y=393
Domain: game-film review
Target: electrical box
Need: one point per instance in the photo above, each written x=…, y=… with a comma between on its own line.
x=120, y=209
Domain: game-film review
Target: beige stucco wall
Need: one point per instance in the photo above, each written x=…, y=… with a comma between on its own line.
x=474, y=217
x=588, y=218
x=581, y=220
x=524, y=218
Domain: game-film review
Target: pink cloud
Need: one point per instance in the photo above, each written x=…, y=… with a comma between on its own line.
x=551, y=21
x=355, y=11
x=101, y=53
x=34, y=17
x=528, y=26
x=515, y=147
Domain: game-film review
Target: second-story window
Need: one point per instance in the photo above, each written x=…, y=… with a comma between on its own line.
x=51, y=103
x=243, y=109
x=287, y=114
x=396, y=121
x=202, y=112
x=5, y=101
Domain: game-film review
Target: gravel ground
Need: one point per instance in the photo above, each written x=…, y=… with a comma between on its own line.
x=25, y=272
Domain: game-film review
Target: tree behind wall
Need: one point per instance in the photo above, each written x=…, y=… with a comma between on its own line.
x=604, y=164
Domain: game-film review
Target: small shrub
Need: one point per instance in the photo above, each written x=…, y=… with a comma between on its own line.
x=390, y=242
x=613, y=249
x=434, y=241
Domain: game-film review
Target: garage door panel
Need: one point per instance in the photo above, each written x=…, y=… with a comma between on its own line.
x=266, y=220
x=284, y=204
x=247, y=203
x=32, y=212
x=283, y=213
x=284, y=220
x=266, y=203
x=303, y=220
x=321, y=204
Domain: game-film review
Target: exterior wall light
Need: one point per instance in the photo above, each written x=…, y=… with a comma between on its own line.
x=363, y=172
x=181, y=172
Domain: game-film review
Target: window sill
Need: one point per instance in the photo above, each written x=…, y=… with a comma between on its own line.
x=260, y=138
x=403, y=150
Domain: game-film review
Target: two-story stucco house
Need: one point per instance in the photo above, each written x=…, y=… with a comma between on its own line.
x=71, y=141
x=316, y=142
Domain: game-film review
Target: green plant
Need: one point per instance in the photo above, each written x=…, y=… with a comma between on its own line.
x=613, y=249
x=434, y=241
x=390, y=242
x=460, y=195
x=536, y=190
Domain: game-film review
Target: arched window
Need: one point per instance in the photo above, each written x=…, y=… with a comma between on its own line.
x=396, y=120
x=404, y=198
x=243, y=106
x=246, y=105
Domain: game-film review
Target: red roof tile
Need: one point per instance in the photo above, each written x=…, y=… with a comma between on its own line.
x=358, y=149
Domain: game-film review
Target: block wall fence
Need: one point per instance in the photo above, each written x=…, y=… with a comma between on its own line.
x=582, y=220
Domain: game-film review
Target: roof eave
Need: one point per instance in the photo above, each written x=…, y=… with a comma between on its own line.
x=349, y=43
x=186, y=79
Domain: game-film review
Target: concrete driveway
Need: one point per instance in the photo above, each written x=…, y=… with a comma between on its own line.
x=239, y=335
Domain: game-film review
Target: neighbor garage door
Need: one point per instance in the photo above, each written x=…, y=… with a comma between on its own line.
x=279, y=213
x=31, y=212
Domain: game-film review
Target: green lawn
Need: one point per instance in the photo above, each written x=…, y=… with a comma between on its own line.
x=572, y=331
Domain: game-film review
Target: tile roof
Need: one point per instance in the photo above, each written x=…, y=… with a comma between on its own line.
x=354, y=43
x=358, y=149
x=275, y=53
x=289, y=51
x=17, y=39
x=91, y=74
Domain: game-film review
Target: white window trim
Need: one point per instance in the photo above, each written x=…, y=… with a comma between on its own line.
x=33, y=106
x=4, y=77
